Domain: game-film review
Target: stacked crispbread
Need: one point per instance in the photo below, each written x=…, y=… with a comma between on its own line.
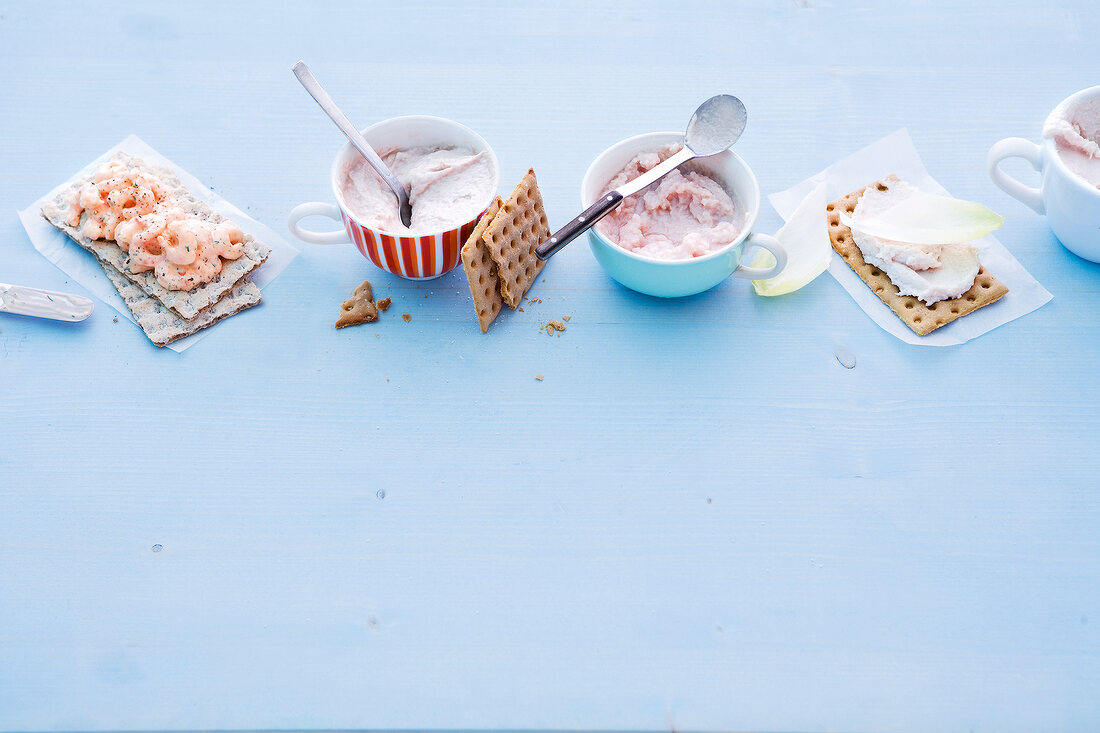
x=499, y=257
x=166, y=315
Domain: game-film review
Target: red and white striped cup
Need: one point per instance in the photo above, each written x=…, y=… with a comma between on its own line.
x=422, y=256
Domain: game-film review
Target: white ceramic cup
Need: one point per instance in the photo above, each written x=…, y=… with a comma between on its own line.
x=1071, y=205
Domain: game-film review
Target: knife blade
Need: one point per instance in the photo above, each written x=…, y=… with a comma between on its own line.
x=26, y=301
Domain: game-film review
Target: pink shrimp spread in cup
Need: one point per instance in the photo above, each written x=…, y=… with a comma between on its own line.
x=686, y=214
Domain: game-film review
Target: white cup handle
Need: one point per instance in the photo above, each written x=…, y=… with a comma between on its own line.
x=772, y=245
x=316, y=208
x=1017, y=147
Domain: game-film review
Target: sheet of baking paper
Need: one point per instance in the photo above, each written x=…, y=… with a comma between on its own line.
x=82, y=266
x=896, y=154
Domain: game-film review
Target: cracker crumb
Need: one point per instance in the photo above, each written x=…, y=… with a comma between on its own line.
x=520, y=309
x=566, y=318
x=383, y=305
x=114, y=320
x=552, y=326
x=538, y=377
x=407, y=316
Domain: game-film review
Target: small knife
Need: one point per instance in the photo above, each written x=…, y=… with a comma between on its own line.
x=43, y=303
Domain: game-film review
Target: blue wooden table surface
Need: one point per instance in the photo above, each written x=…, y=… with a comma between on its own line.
x=698, y=520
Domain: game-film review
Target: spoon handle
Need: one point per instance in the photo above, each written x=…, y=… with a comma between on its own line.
x=305, y=76
x=607, y=203
x=578, y=226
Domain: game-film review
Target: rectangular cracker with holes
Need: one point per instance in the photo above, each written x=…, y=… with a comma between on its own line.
x=481, y=270
x=512, y=236
x=185, y=303
x=920, y=318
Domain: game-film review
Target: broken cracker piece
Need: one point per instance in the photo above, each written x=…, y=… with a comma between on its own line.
x=512, y=236
x=407, y=317
x=481, y=270
x=552, y=326
x=920, y=318
x=383, y=305
x=359, y=308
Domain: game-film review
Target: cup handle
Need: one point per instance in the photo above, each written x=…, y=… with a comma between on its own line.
x=1017, y=147
x=771, y=244
x=316, y=208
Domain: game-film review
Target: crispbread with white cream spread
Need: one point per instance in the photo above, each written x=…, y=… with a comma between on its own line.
x=920, y=317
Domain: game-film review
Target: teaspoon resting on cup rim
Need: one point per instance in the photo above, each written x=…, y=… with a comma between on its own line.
x=716, y=125
x=336, y=115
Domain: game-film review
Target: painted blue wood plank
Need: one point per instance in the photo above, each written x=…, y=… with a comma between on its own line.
x=698, y=520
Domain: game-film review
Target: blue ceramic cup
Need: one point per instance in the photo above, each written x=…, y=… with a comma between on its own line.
x=676, y=278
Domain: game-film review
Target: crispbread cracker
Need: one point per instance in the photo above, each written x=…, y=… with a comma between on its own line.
x=359, y=308
x=161, y=325
x=185, y=303
x=920, y=318
x=512, y=236
x=481, y=271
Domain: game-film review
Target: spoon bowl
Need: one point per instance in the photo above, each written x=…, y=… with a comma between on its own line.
x=716, y=125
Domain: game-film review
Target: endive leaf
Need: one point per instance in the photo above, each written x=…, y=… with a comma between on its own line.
x=805, y=238
x=925, y=218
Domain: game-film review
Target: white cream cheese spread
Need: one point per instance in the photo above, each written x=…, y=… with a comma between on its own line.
x=928, y=272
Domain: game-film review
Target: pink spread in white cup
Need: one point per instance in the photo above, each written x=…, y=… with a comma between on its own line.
x=1068, y=161
x=452, y=174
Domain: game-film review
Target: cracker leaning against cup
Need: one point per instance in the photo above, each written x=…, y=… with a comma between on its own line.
x=499, y=256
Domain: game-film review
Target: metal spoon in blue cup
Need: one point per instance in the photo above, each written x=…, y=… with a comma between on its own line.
x=716, y=126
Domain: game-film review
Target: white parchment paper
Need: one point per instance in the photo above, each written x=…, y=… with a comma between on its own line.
x=82, y=266
x=896, y=154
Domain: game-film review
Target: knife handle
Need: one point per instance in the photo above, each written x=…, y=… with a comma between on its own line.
x=604, y=206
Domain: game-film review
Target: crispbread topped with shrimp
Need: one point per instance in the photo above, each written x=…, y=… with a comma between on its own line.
x=141, y=220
